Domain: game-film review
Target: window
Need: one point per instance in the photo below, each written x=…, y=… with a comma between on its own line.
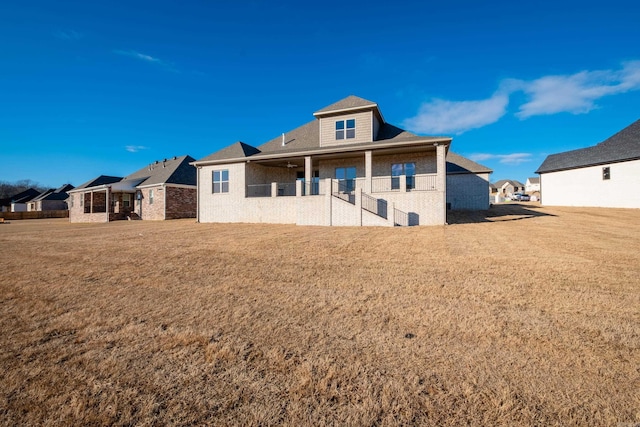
x=221, y=181
x=346, y=125
x=126, y=200
x=346, y=178
x=606, y=173
x=150, y=197
x=407, y=169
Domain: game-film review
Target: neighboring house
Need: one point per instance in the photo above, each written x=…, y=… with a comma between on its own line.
x=162, y=190
x=604, y=175
x=51, y=200
x=507, y=187
x=348, y=166
x=532, y=185
x=18, y=202
x=467, y=183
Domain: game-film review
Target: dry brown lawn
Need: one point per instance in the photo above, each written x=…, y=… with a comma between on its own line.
x=522, y=315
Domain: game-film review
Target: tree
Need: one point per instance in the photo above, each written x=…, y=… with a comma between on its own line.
x=8, y=189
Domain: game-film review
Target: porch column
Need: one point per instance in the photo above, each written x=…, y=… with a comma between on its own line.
x=368, y=171
x=106, y=201
x=91, y=206
x=441, y=179
x=308, y=175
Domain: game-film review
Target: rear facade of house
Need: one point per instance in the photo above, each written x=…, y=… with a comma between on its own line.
x=347, y=167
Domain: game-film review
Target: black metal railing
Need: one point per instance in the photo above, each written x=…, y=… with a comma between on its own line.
x=259, y=190
x=375, y=206
x=286, y=189
x=400, y=218
x=343, y=189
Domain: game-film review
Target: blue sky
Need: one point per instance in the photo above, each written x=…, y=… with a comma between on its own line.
x=93, y=87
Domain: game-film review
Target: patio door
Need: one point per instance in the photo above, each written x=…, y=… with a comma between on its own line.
x=314, y=188
x=406, y=169
x=346, y=178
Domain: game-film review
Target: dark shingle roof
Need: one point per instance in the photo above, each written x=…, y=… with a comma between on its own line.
x=456, y=164
x=351, y=102
x=176, y=170
x=234, y=151
x=624, y=145
x=306, y=138
x=24, y=196
x=101, y=180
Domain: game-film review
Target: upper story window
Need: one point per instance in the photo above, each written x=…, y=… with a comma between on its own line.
x=221, y=181
x=346, y=129
x=606, y=173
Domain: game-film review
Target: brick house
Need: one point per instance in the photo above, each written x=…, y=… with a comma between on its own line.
x=51, y=200
x=348, y=166
x=162, y=190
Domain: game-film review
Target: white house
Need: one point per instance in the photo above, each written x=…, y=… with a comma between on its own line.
x=348, y=166
x=605, y=175
x=532, y=185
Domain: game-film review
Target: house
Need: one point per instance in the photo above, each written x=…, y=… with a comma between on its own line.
x=507, y=187
x=18, y=202
x=604, y=175
x=467, y=183
x=532, y=185
x=51, y=200
x=162, y=190
x=347, y=166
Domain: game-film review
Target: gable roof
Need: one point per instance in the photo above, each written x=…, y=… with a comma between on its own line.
x=234, y=151
x=22, y=197
x=512, y=182
x=59, y=193
x=456, y=164
x=623, y=146
x=101, y=180
x=351, y=102
x=305, y=139
x=533, y=180
x=176, y=170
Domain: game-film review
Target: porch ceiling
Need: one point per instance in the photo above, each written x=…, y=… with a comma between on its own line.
x=294, y=162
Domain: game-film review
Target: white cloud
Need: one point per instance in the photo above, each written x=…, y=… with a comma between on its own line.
x=442, y=116
x=577, y=93
x=135, y=148
x=138, y=55
x=507, y=159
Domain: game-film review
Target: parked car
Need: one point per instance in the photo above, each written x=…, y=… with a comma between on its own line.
x=516, y=197
x=525, y=198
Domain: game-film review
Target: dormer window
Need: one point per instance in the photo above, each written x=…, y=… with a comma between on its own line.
x=346, y=129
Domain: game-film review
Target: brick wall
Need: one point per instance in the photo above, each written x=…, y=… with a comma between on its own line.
x=180, y=202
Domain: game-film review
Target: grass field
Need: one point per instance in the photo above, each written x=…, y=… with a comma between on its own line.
x=520, y=315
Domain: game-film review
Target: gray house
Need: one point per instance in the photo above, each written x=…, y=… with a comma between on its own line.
x=51, y=200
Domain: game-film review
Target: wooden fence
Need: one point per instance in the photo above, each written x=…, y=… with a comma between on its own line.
x=34, y=215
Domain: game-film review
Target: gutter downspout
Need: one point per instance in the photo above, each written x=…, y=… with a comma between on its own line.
x=199, y=168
